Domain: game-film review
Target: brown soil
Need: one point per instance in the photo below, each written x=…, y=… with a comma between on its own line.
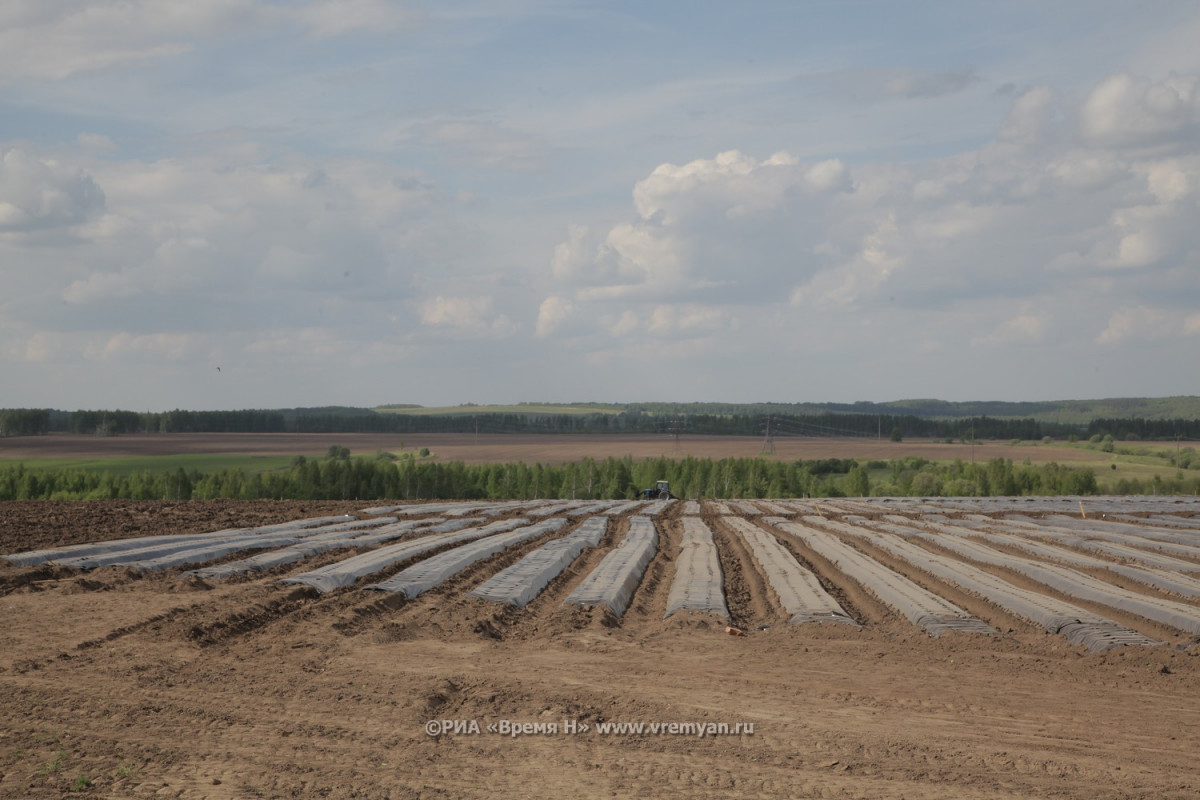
x=496, y=448
x=119, y=685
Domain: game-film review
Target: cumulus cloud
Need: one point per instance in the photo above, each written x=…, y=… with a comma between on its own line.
x=1099, y=195
x=36, y=194
x=1127, y=111
x=474, y=316
x=192, y=244
x=1145, y=323
x=552, y=313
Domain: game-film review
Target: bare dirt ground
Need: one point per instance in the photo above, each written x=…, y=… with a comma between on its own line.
x=114, y=684
x=499, y=447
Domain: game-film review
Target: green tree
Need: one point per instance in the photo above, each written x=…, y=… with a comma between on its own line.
x=858, y=483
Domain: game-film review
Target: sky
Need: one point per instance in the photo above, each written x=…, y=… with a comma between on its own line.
x=277, y=203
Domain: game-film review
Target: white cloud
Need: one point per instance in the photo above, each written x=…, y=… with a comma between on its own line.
x=55, y=39
x=552, y=313
x=1143, y=323
x=687, y=318
x=155, y=346
x=571, y=258
x=1030, y=117
x=37, y=194
x=485, y=143
x=914, y=84
x=96, y=142
x=1026, y=328
x=1056, y=197
x=473, y=316
x=1128, y=111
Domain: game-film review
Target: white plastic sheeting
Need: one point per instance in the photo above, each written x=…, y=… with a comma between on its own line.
x=1159, y=521
x=614, y=580
x=344, y=573
x=624, y=508
x=144, y=543
x=1159, y=578
x=1056, y=616
x=691, y=508
x=550, y=509
x=773, y=508
x=697, y=585
x=306, y=548
x=198, y=555
x=659, y=508
x=592, y=507
x=1133, y=534
x=195, y=549
x=424, y=575
x=919, y=606
x=1071, y=539
x=520, y=583
x=800, y=593
x=1076, y=584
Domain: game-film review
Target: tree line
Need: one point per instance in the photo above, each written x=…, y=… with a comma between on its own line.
x=340, y=419
x=339, y=477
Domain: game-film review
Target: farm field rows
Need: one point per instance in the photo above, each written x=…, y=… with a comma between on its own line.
x=969, y=647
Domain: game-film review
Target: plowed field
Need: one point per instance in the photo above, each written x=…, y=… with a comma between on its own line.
x=124, y=682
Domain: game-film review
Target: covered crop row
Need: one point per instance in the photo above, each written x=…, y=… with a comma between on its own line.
x=799, y=591
x=344, y=573
x=614, y=579
x=919, y=606
x=524, y=580
x=1055, y=616
x=698, y=581
x=424, y=575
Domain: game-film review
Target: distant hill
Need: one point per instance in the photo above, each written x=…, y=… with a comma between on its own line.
x=1065, y=412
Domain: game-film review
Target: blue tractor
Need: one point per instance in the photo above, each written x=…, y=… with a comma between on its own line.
x=661, y=491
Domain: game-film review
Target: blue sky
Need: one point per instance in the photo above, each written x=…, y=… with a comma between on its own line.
x=362, y=201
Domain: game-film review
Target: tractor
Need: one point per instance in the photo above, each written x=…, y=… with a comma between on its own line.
x=661, y=491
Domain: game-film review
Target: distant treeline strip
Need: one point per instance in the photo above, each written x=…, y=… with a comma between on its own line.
x=342, y=478
x=31, y=422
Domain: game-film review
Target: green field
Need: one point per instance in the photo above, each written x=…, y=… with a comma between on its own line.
x=128, y=465
x=546, y=409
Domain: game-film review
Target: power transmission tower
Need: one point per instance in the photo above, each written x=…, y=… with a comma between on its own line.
x=769, y=442
x=675, y=429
